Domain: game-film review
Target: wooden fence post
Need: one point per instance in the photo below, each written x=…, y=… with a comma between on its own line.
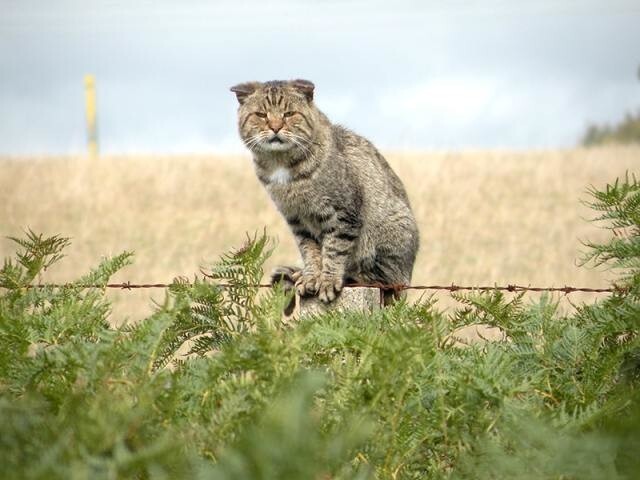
x=362, y=299
x=91, y=115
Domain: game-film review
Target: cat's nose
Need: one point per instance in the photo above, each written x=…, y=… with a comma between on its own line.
x=276, y=125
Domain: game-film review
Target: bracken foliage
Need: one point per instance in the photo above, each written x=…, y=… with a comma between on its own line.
x=214, y=385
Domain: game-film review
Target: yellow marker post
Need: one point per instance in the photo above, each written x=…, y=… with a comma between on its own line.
x=91, y=110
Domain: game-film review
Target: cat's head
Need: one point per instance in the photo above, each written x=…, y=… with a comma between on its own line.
x=276, y=116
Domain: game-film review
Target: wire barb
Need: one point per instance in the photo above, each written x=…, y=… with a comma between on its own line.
x=396, y=288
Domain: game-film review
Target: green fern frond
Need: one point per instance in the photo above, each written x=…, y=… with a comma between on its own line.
x=105, y=270
x=37, y=255
x=242, y=397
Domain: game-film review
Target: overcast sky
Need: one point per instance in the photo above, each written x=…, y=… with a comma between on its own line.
x=423, y=74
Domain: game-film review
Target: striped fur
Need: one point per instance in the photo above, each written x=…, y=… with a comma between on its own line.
x=346, y=207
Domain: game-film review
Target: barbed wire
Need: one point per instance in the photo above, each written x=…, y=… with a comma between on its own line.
x=451, y=288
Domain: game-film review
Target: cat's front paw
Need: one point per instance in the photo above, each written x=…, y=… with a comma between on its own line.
x=329, y=287
x=307, y=284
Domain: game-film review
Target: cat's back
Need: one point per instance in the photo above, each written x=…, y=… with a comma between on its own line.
x=367, y=165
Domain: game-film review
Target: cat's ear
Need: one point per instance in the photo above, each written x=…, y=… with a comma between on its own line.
x=304, y=86
x=243, y=90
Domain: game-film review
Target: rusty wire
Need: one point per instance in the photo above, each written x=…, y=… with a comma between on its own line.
x=451, y=288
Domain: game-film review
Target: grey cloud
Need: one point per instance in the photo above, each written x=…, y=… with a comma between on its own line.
x=164, y=68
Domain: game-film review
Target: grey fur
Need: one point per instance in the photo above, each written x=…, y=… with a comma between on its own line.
x=346, y=207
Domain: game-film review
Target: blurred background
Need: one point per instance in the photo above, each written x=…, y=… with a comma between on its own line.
x=409, y=74
x=498, y=115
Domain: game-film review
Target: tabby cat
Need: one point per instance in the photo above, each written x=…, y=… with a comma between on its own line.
x=348, y=210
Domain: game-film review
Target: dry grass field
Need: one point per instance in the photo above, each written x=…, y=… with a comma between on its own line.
x=485, y=217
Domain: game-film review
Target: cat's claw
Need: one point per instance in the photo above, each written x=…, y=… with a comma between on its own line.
x=307, y=284
x=329, y=287
x=295, y=276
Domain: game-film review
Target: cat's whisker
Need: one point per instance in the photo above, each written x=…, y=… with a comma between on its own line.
x=255, y=139
x=301, y=146
x=251, y=144
x=298, y=140
x=289, y=133
x=291, y=137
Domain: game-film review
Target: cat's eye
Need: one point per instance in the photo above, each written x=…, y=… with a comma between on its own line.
x=289, y=114
x=261, y=114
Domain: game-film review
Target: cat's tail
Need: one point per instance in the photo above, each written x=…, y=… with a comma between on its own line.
x=287, y=277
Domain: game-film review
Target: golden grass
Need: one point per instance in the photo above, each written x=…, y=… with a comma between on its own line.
x=485, y=217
